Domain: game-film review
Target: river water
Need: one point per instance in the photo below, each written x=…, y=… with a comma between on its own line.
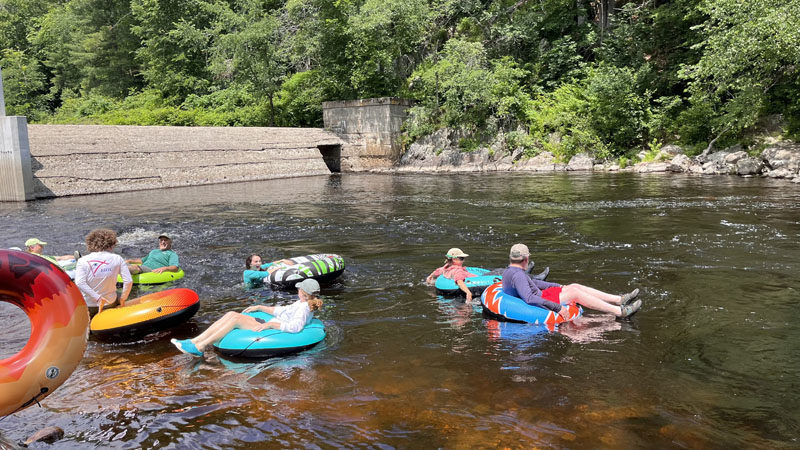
x=711, y=360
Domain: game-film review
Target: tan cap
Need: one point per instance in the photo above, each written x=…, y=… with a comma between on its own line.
x=34, y=241
x=456, y=253
x=519, y=252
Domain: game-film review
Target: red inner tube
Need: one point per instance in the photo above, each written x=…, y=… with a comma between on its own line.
x=59, y=328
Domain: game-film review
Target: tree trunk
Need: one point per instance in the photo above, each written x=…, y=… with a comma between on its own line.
x=271, y=112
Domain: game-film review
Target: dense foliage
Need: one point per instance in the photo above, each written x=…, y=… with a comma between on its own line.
x=605, y=76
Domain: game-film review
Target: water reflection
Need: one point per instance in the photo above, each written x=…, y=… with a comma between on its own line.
x=709, y=362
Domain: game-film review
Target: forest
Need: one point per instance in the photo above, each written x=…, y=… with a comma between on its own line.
x=609, y=77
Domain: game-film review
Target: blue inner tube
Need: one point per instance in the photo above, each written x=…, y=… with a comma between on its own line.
x=499, y=305
x=476, y=285
x=267, y=343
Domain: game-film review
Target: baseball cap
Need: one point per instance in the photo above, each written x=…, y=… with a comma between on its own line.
x=309, y=286
x=456, y=253
x=164, y=236
x=34, y=241
x=519, y=251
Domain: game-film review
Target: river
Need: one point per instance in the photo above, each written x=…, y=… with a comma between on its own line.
x=711, y=360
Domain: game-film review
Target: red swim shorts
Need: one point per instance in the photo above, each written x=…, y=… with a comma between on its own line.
x=552, y=294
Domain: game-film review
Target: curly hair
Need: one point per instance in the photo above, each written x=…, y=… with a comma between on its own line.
x=314, y=303
x=101, y=240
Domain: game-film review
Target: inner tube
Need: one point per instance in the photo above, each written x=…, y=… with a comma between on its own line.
x=154, y=278
x=68, y=266
x=146, y=314
x=501, y=306
x=59, y=319
x=476, y=284
x=268, y=343
x=323, y=267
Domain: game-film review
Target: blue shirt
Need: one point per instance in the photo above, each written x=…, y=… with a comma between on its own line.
x=518, y=283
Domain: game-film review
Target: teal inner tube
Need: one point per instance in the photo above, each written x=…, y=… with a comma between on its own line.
x=476, y=284
x=268, y=343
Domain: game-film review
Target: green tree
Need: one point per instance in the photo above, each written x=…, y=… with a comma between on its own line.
x=749, y=49
x=175, y=44
x=383, y=37
x=24, y=84
x=246, y=52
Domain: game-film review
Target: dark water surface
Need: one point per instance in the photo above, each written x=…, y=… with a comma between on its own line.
x=711, y=361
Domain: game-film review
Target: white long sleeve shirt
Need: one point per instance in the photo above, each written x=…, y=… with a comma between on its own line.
x=293, y=318
x=96, y=276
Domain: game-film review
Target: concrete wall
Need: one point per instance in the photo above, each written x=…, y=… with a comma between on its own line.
x=88, y=159
x=16, y=183
x=359, y=135
x=370, y=129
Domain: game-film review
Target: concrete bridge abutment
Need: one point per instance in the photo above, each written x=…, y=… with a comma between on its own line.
x=16, y=180
x=371, y=130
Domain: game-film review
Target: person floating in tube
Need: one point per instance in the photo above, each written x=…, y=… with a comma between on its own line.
x=36, y=247
x=553, y=295
x=162, y=259
x=454, y=269
x=289, y=319
x=255, y=270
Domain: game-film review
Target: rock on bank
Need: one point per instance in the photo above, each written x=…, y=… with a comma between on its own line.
x=435, y=153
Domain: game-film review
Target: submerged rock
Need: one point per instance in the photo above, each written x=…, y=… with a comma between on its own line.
x=47, y=435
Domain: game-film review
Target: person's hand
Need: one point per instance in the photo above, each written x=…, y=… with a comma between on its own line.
x=469, y=297
x=253, y=308
x=564, y=312
x=159, y=270
x=262, y=327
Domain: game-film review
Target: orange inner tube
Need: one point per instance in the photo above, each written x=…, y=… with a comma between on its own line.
x=59, y=329
x=147, y=309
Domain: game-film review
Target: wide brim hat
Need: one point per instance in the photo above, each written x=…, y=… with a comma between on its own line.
x=456, y=253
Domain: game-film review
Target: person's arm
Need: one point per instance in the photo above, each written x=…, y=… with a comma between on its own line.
x=255, y=276
x=81, y=272
x=523, y=285
x=127, y=283
x=432, y=277
x=134, y=261
x=261, y=308
x=466, y=290
x=542, y=285
x=65, y=257
x=166, y=269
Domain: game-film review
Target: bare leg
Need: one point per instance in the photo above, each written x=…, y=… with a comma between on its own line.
x=223, y=326
x=608, y=298
x=576, y=293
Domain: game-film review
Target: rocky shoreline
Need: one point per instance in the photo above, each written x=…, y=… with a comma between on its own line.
x=435, y=153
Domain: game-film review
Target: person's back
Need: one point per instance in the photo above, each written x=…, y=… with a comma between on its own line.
x=98, y=271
